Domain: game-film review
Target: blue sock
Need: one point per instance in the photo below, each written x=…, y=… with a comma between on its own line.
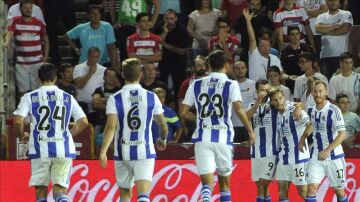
x=310, y=199
x=225, y=196
x=284, y=200
x=41, y=200
x=143, y=197
x=61, y=197
x=260, y=199
x=343, y=199
x=205, y=193
x=268, y=199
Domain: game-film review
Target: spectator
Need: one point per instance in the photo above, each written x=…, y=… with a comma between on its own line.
x=260, y=22
x=202, y=23
x=95, y=33
x=14, y=11
x=290, y=55
x=31, y=44
x=314, y=9
x=231, y=9
x=301, y=90
x=273, y=75
x=248, y=95
x=172, y=120
x=267, y=35
x=347, y=82
x=164, y=7
x=334, y=26
x=144, y=45
x=175, y=42
x=88, y=76
x=260, y=58
x=66, y=78
x=55, y=9
x=224, y=41
x=352, y=120
x=290, y=16
x=199, y=70
x=125, y=20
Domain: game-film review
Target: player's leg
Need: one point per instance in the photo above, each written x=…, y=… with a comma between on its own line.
x=298, y=177
x=143, y=173
x=60, y=177
x=262, y=172
x=302, y=191
x=124, y=179
x=336, y=173
x=262, y=190
x=224, y=162
x=315, y=174
x=40, y=177
x=283, y=190
x=206, y=165
x=283, y=176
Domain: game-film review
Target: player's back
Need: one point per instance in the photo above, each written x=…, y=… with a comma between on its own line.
x=135, y=108
x=213, y=97
x=50, y=109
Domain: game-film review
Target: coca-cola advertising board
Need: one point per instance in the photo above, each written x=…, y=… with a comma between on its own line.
x=173, y=181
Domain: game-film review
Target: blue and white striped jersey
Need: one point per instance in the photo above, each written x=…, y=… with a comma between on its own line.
x=264, y=125
x=50, y=109
x=327, y=123
x=135, y=108
x=290, y=132
x=213, y=97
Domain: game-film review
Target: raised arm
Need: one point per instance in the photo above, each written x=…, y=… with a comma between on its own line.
x=250, y=29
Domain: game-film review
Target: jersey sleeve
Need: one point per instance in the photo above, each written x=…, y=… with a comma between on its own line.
x=190, y=96
x=235, y=95
x=277, y=20
x=332, y=91
x=338, y=120
x=75, y=32
x=110, y=106
x=76, y=111
x=304, y=118
x=158, y=106
x=110, y=36
x=305, y=17
x=24, y=106
x=78, y=72
x=158, y=46
x=173, y=119
x=11, y=25
x=319, y=18
x=42, y=29
x=130, y=48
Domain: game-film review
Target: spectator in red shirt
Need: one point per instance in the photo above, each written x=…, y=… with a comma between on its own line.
x=224, y=41
x=232, y=9
x=144, y=45
x=32, y=46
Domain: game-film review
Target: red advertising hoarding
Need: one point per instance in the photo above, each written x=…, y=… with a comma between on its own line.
x=174, y=180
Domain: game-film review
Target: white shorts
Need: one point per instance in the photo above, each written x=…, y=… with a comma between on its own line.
x=291, y=173
x=27, y=77
x=212, y=156
x=335, y=170
x=127, y=172
x=57, y=170
x=263, y=168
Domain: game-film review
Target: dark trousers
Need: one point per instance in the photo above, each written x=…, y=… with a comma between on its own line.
x=121, y=34
x=241, y=134
x=328, y=66
x=317, y=39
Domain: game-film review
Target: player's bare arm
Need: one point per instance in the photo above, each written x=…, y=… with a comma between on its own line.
x=80, y=124
x=19, y=129
x=185, y=114
x=160, y=121
x=338, y=140
x=109, y=133
x=308, y=130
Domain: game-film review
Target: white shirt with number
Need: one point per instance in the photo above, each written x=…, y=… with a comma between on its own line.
x=213, y=97
x=135, y=108
x=50, y=109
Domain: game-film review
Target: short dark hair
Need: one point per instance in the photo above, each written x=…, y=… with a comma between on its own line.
x=22, y=2
x=341, y=95
x=198, y=4
x=170, y=10
x=345, y=55
x=47, y=72
x=65, y=66
x=93, y=49
x=131, y=69
x=291, y=28
x=308, y=56
x=274, y=69
x=261, y=82
x=217, y=60
x=141, y=15
x=109, y=69
x=95, y=7
x=222, y=19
